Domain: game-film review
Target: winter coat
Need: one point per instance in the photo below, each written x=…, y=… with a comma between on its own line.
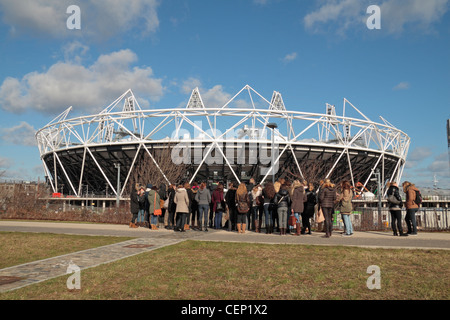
x=182, y=200
x=254, y=196
x=203, y=196
x=134, y=204
x=217, y=197
x=298, y=199
x=282, y=199
x=311, y=202
x=395, y=191
x=230, y=198
x=410, y=197
x=152, y=205
x=327, y=197
x=345, y=202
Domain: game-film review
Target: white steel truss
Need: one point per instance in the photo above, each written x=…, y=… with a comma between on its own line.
x=241, y=120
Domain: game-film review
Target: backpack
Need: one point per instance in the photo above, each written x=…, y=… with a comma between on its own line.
x=418, y=199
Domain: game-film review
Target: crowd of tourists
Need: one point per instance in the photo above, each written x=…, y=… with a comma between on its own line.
x=286, y=207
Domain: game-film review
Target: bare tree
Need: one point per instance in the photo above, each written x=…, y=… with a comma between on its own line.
x=146, y=171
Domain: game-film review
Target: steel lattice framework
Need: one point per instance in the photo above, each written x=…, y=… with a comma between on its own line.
x=232, y=142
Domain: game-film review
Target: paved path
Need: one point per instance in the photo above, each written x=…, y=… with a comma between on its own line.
x=147, y=240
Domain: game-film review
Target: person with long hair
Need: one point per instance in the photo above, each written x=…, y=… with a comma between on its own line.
x=327, y=200
x=395, y=208
x=298, y=196
x=255, y=194
x=243, y=206
x=345, y=206
x=268, y=195
x=203, y=198
x=411, y=207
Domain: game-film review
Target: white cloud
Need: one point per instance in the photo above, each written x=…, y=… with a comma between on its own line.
x=88, y=88
x=22, y=134
x=99, y=19
x=396, y=15
x=401, y=86
x=290, y=57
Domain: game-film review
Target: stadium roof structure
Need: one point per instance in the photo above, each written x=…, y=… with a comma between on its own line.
x=234, y=141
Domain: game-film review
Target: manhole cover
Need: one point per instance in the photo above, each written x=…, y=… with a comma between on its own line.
x=8, y=279
x=139, y=246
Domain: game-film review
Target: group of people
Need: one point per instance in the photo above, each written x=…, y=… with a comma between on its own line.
x=283, y=206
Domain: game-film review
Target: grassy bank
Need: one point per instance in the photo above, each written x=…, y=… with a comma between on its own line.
x=237, y=271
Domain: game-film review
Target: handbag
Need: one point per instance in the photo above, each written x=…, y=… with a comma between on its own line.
x=156, y=212
x=320, y=217
x=292, y=220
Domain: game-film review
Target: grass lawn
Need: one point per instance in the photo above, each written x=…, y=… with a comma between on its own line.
x=197, y=270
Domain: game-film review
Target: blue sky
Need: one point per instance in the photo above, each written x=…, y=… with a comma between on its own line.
x=312, y=51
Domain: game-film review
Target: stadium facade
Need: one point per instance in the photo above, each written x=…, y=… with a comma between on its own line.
x=247, y=137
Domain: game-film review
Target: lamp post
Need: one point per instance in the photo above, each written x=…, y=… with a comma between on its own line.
x=273, y=126
x=117, y=166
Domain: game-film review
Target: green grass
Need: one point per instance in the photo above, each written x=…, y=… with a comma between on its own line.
x=198, y=270
x=18, y=248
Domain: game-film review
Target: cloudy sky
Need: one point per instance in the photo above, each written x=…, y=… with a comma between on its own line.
x=312, y=51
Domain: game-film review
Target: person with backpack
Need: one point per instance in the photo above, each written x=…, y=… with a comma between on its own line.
x=395, y=208
x=283, y=201
x=412, y=206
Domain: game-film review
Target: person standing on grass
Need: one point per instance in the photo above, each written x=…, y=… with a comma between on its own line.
x=395, y=208
x=411, y=207
x=327, y=200
x=345, y=206
x=182, y=201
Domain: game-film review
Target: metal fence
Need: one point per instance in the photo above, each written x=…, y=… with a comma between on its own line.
x=364, y=219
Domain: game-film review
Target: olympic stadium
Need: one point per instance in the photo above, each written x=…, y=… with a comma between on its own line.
x=248, y=137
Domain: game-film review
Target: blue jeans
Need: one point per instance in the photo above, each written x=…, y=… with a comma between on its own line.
x=347, y=223
x=268, y=214
x=141, y=215
x=410, y=219
x=203, y=210
x=153, y=219
x=218, y=220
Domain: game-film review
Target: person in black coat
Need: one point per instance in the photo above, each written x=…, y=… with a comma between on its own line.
x=134, y=206
x=395, y=208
